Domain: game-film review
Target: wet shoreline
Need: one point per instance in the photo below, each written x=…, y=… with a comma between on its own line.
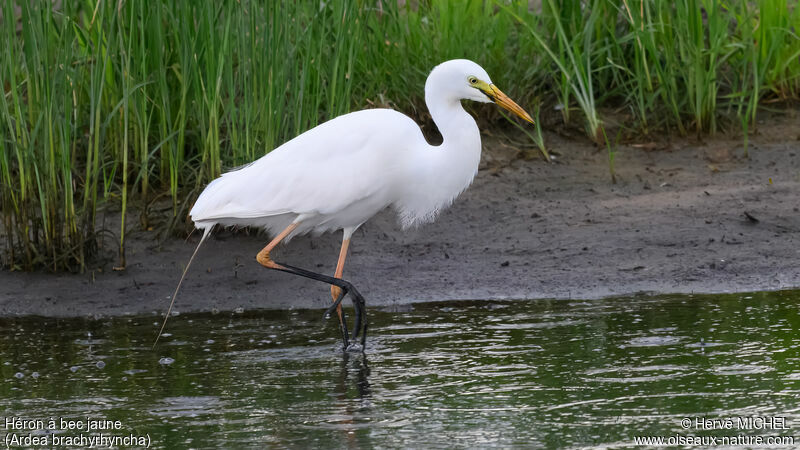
x=685, y=218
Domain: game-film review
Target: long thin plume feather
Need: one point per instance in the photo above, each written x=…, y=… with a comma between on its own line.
x=206, y=232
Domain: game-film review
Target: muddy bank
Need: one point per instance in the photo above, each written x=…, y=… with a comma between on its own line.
x=684, y=216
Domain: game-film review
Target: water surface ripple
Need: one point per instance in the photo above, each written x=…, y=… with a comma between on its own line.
x=467, y=374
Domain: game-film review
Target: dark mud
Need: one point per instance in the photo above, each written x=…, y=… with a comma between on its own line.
x=684, y=216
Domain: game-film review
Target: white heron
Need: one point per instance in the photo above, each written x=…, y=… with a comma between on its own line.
x=341, y=173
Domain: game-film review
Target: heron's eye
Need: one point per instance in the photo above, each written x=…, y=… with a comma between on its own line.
x=473, y=80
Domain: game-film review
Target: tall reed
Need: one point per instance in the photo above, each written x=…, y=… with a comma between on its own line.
x=114, y=108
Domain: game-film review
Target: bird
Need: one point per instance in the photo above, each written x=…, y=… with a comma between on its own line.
x=339, y=174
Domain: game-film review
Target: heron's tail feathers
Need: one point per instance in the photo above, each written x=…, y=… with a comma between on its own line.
x=206, y=233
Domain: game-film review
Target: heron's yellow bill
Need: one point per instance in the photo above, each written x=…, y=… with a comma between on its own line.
x=502, y=99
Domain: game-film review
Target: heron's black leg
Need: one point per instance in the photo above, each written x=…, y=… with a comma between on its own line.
x=342, y=326
x=358, y=327
x=364, y=337
x=345, y=337
x=360, y=306
x=357, y=322
x=346, y=288
x=335, y=304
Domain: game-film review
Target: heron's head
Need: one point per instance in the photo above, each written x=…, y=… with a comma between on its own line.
x=464, y=79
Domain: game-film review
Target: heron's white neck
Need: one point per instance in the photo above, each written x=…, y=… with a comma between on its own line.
x=454, y=123
x=444, y=171
x=456, y=159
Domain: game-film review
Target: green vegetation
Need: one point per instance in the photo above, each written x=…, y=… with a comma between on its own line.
x=117, y=105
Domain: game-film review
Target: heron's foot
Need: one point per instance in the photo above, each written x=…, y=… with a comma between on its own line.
x=355, y=347
x=335, y=304
x=345, y=287
x=358, y=347
x=360, y=325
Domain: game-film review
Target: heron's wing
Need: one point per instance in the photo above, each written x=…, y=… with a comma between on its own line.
x=322, y=171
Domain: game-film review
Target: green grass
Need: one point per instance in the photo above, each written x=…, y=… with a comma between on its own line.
x=109, y=108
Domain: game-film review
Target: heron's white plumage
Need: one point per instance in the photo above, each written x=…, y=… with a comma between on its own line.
x=342, y=172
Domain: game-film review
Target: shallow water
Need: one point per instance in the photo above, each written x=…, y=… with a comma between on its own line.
x=535, y=373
